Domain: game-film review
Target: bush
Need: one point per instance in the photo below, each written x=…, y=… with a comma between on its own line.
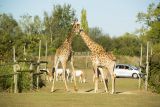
x=154, y=74
x=24, y=81
x=6, y=81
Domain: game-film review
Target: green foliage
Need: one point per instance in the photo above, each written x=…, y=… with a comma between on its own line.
x=147, y=18
x=128, y=44
x=79, y=45
x=84, y=22
x=152, y=34
x=9, y=35
x=24, y=81
x=103, y=39
x=150, y=21
x=59, y=23
x=154, y=74
x=6, y=81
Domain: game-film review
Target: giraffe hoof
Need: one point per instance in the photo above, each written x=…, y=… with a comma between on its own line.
x=67, y=90
x=107, y=92
x=113, y=92
x=76, y=89
x=95, y=91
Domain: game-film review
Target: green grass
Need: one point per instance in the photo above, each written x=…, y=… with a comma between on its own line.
x=78, y=100
x=127, y=95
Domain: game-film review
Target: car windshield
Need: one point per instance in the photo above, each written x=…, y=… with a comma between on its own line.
x=135, y=68
x=127, y=66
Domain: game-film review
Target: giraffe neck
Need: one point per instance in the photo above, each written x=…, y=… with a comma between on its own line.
x=68, y=41
x=69, y=38
x=93, y=46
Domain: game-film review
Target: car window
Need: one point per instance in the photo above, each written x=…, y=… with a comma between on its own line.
x=120, y=67
x=130, y=68
x=133, y=67
x=117, y=66
x=126, y=67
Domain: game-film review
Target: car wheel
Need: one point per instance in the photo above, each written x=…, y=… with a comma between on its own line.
x=135, y=75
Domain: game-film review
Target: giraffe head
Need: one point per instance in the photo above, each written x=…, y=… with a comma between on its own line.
x=76, y=26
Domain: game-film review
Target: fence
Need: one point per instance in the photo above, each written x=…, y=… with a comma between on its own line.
x=22, y=75
x=6, y=77
x=82, y=61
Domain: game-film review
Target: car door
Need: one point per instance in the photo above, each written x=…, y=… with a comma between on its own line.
x=127, y=72
x=119, y=70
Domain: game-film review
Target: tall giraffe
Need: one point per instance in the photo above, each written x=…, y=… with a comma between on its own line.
x=64, y=54
x=100, y=58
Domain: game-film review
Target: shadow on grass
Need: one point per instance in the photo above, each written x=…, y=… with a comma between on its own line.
x=89, y=90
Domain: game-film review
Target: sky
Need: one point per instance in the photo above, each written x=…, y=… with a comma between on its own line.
x=114, y=17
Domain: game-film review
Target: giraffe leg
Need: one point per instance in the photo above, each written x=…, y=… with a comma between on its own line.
x=64, y=75
x=95, y=79
x=53, y=80
x=104, y=80
x=113, y=83
x=74, y=75
x=54, y=74
x=83, y=79
x=111, y=70
x=80, y=79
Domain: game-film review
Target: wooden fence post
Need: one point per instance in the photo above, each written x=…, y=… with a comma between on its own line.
x=38, y=64
x=46, y=51
x=141, y=55
x=147, y=69
x=31, y=76
x=139, y=82
x=24, y=52
x=14, y=70
x=46, y=54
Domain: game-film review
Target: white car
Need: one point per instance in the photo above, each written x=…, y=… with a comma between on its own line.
x=126, y=70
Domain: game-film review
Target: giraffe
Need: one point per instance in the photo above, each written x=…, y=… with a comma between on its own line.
x=63, y=55
x=100, y=58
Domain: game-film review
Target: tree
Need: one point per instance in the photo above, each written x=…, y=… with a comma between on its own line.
x=59, y=23
x=37, y=25
x=151, y=20
x=127, y=44
x=95, y=33
x=84, y=22
x=26, y=24
x=9, y=35
x=48, y=26
x=101, y=38
x=154, y=74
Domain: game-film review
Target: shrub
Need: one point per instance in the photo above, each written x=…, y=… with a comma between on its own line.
x=6, y=81
x=154, y=73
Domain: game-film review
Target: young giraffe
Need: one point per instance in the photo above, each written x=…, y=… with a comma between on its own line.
x=100, y=58
x=64, y=54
